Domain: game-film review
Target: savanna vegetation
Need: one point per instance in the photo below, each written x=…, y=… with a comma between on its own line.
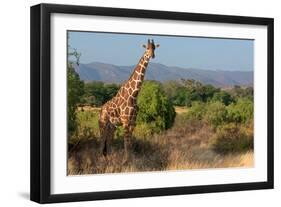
x=181, y=124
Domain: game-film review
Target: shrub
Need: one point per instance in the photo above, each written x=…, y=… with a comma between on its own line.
x=233, y=138
x=87, y=127
x=241, y=112
x=223, y=97
x=216, y=114
x=142, y=131
x=197, y=111
x=154, y=107
x=145, y=130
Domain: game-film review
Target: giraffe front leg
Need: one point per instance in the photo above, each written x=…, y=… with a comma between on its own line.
x=127, y=143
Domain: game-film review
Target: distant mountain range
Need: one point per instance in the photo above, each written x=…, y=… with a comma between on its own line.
x=116, y=74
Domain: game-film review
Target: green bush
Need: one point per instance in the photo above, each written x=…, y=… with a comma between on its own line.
x=241, y=112
x=197, y=111
x=216, y=113
x=154, y=107
x=142, y=130
x=233, y=138
x=145, y=130
x=87, y=127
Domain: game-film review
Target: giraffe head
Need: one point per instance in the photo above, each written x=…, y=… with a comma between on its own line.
x=150, y=48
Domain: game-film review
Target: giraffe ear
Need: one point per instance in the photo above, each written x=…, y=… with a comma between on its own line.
x=144, y=46
x=157, y=45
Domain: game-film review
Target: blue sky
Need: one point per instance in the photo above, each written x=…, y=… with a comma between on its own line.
x=188, y=52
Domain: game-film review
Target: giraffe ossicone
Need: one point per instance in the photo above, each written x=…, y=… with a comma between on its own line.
x=121, y=110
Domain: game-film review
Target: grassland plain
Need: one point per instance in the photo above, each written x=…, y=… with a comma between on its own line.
x=187, y=145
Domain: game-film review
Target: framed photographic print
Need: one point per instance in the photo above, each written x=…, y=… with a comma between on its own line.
x=133, y=103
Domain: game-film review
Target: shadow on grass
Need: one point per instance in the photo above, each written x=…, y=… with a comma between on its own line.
x=85, y=157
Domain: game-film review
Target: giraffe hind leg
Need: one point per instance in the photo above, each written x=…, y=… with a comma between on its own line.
x=103, y=135
x=107, y=134
x=104, y=150
x=109, y=139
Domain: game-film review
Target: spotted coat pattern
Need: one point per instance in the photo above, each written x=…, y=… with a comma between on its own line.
x=121, y=110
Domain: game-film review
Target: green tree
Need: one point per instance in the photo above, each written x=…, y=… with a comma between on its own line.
x=182, y=97
x=177, y=93
x=239, y=92
x=75, y=89
x=194, y=88
x=249, y=93
x=186, y=91
x=208, y=92
x=171, y=87
x=224, y=97
x=154, y=107
x=97, y=93
x=199, y=92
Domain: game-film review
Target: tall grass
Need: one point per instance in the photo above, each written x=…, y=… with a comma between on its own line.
x=187, y=145
x=88, y=127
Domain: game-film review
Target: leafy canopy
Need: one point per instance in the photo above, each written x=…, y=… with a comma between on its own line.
x=154, y=107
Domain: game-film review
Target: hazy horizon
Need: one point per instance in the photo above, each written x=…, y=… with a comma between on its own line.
x=203, y=53
x=167, y=66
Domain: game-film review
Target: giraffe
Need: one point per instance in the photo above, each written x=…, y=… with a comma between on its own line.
x=121, y=110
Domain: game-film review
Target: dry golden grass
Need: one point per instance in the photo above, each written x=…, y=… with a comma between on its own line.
x=208, y=159
x=88, y=108
x=181, y=109
x=185, y=146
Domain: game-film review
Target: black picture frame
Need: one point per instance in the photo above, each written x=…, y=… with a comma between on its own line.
x=41, y=96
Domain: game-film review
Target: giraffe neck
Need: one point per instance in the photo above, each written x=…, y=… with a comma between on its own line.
x=135, y=81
